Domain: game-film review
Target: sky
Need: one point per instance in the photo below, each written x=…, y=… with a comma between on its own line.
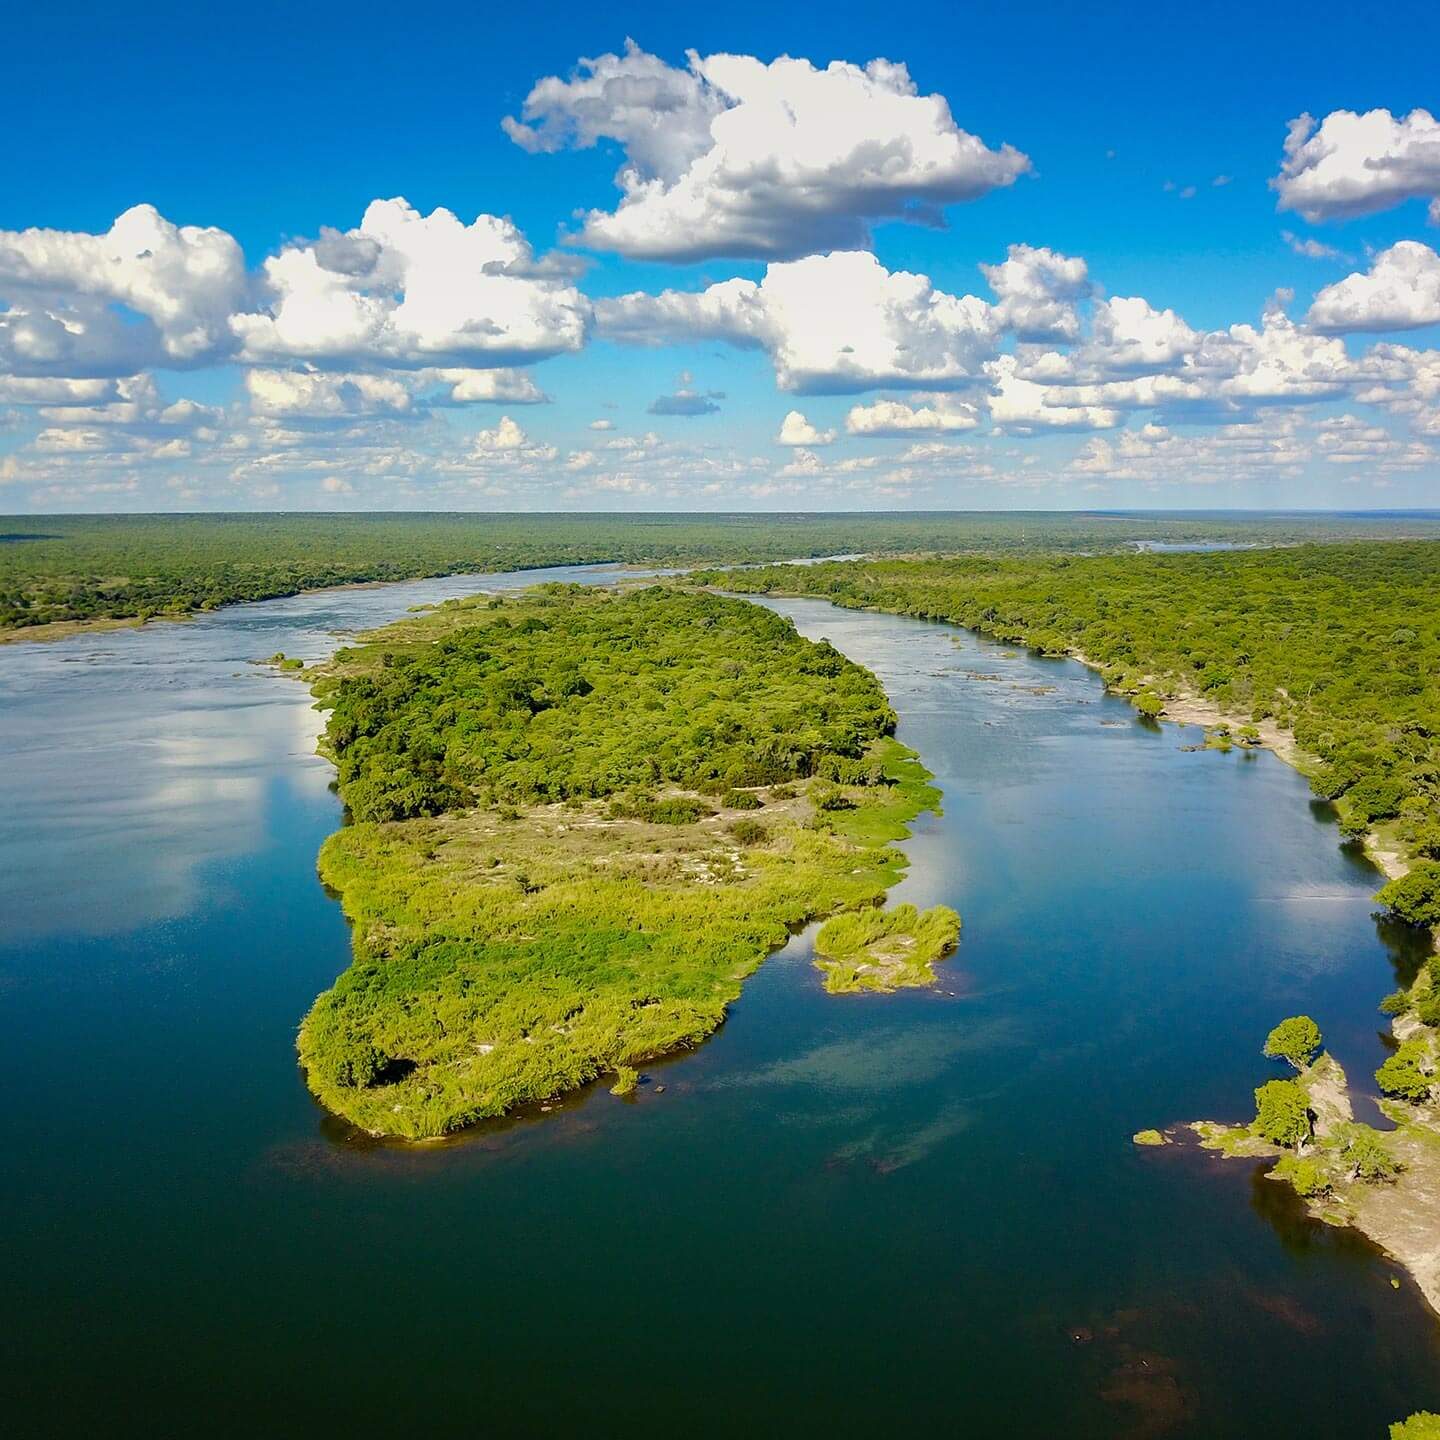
x=644, y=257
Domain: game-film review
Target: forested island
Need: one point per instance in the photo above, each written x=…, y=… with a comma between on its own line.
x=580, y=819
x=66, y=570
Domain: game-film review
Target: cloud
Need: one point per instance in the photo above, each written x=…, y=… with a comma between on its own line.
x=1401, y=291
x=145, y=292
x=1038, y=289
x=413, y=290
x=602, y=424
x=483, y=387
x=687, y=403
x=1353, y=164
x=1021, y=407
x=1310, y=248
x=832, y=324
x=295, y=395
x=937, y=413
x=734, y=157
x=795, y=429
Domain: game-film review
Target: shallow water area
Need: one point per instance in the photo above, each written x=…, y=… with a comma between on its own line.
x=842, y=1210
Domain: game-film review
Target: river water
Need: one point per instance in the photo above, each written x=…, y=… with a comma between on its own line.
x=842, y=1213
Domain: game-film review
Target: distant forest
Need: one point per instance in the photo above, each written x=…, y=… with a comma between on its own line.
x=77, y=568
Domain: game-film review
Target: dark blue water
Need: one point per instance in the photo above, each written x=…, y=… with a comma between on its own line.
x=843, y=1214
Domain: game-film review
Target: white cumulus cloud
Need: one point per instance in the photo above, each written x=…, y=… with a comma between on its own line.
x=931, y=414
x=1400, y=291
x=1038, y=289
x=795, y=429
x=1351, y=164
x=406, y=289
x=832, y=324
x=736, y=157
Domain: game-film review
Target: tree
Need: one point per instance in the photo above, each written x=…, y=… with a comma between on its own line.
x=1366, y=1155
x=1404, y=1073
x=1282, y=1113
x=1423, y=1425
x=1150, y=705
x=1296, y=1040
x=1415, y=896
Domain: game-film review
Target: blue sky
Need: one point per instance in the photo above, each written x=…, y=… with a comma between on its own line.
x=1152, y=135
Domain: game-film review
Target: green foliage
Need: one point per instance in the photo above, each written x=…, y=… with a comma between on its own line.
x=742, y=799
x=1397, y=1002
x=1423, y=1425
x=627, y=1078
x=1304, y=1174
x=1415, y=896
x=595, y=941
x=1282, y=1113
x=587, y=694
x=1304, y=634
x=1365, y=1155
x=86, y=567
x=749, y=832
x=1148, y=1138
x=1408, y=1073
x=875, y=949
x=1295, y=1040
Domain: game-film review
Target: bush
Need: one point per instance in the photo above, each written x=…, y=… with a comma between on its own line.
x=676, y=810
x=1416, y=896
x=749, y=832
x=1406, y=1073
x=1304, y=1174
x=830, y=797
x=1149, y=704
x=742, y=800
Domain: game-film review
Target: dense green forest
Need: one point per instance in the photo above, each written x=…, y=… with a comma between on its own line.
x=1337, y=644
x=581, y=819
x=80, y=568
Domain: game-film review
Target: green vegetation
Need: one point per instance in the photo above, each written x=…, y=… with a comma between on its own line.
x=1338, y=645
x=626, y=1080
x=1148, y=1137
x=576, y=694
x=1295, y=1040
x=515, y=934
x=1304, y=1174
x=1282, y=1113
x=1409, y=1073
x=66, y=568
x=1423, y=1425
x=884, y=950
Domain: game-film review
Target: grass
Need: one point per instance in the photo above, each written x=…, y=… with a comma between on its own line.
x=884, y=950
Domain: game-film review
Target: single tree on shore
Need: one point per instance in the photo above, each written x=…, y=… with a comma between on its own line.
x=1295, y=1040
x=1282, y=1113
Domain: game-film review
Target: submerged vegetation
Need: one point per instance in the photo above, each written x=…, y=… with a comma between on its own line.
x=58, y=569
x=1335, y=647
x=885, y=949
x=545, y=881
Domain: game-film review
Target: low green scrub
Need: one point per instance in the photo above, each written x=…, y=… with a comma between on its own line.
x=501, y=961
x=877, y=949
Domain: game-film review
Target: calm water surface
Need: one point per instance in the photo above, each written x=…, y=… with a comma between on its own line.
x=850, y=1212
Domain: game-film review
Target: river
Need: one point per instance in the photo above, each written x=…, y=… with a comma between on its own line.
x=842, y=1213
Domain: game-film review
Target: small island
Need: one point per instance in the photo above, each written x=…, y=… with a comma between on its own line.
x=579, y=819
x=884, y=950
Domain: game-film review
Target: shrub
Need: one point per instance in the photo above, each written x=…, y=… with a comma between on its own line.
x=742, y=800
x=1415, y=896
x=1149, y=704
x=1405, y=1073
x=1304, y=1174
x=749, y=832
